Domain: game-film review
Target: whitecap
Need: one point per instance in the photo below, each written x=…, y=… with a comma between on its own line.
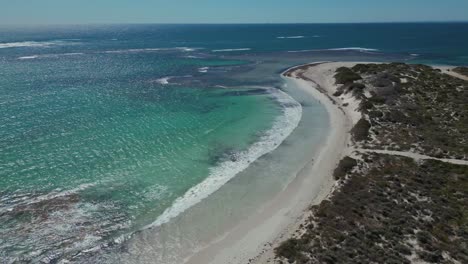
x=203, y=69
x=291, y=37
x=28, y=57
x=353, y=48
x=34, y=44
x=184, y=49
x=283, y=126
x=50, y=55
x=164, y=80
x=229, y=50
x=193, y=57
x=187, y=49
x=337, y=49
x=24, y=44
x=297, y=51
x=71, y=54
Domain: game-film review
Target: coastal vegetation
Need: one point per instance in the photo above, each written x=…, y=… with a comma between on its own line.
x=361, y=130
x=344, y=167
x=412, y=107
x=461, y=70
x=345, y=76
x=387, y=208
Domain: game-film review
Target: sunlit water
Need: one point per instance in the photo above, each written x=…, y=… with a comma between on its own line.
x=144, y=143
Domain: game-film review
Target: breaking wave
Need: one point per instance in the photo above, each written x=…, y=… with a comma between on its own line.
x=353, y=48
x=229, y=50
x=337, y=49
x=183, y=49
x=221, y=174
x=34, y=44
x=49, y=56
x=291, y=37
x=203, y=69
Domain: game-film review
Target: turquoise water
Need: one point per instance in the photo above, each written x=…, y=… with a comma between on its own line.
x=89, y=151
x=136, y=143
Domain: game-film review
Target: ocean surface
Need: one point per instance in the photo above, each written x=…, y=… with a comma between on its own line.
x=144, y=143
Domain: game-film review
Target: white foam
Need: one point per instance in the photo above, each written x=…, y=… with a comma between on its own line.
x=187, y=49
x=164, y=80
x=203, y=69
x=337, y=49
x=36, y=44
x=49, y=55
x=24, y=44
x=283, y=126
x=184, y=49
x=353, y=48
x=297, y=51
x=229, y=50
x=291, y=37
x=28, y=57
x=71, y=54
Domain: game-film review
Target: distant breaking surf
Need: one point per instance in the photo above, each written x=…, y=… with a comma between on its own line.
x=291, y=37
x=228, y=50
x=184, y=49
x=338, y=49
x=49, y=56
x=36, y=44
x=354, y=48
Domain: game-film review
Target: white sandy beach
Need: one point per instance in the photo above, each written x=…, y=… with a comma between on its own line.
x=254, y=239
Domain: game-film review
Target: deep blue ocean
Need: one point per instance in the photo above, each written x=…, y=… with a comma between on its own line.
x=142, y=143
x=436, y=42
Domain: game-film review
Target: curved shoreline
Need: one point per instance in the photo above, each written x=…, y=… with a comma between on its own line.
x=282, y=128
x=255, y=238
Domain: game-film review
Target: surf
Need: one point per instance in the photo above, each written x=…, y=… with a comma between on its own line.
x=283, y=126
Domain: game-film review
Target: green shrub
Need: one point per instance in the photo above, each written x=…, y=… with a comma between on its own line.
x=362, y=67
x=361, y=130
x=378, y=100
x=375, y=114
x=365, y=105
x=359, y=86
x=344, y=167
x=338, y=93
x=290, y=249
x=461, y=70
x=346, y=76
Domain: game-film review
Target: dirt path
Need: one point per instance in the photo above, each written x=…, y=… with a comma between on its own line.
x=412, y=155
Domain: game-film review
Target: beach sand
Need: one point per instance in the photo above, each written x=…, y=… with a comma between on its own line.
x=449, y=70
x=254, y=240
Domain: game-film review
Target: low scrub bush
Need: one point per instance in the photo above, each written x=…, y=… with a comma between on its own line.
x=361, y=130
x=344, y=167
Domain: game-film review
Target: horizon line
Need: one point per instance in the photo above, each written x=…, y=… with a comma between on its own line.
x=235, y=23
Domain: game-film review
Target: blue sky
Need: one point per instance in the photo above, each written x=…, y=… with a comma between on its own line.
x=228, y=11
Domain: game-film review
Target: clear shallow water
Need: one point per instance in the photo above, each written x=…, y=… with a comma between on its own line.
x=103, y=156
x=124, y=143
